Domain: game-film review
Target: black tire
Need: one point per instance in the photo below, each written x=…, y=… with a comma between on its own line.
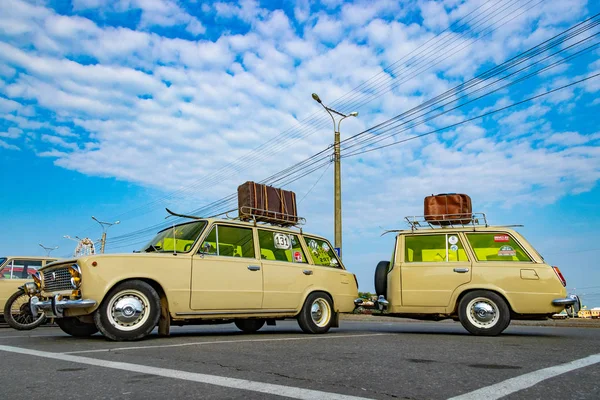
x=74, y=327
x=494, y=317
x=249, y=325
x=321, y=321
x=381, y=273
x=17, y=313
x=140, y=311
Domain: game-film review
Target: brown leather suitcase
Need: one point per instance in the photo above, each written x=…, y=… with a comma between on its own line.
x=267, y=204
x=448, y=208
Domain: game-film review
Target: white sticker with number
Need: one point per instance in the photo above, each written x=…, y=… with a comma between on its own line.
x=282, y=241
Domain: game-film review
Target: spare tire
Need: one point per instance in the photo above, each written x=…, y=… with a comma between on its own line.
x=381, y=272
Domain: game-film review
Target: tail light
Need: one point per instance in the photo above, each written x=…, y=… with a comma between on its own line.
x=355, y=280
x=560, y=276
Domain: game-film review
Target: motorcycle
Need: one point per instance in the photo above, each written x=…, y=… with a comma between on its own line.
x=17, y=310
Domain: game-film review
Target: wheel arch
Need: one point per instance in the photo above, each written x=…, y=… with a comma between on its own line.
x=316, y=290
x=469, y=290
x=155, y=285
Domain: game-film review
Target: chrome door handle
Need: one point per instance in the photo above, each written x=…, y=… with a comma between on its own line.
x=307, y=272
x=253, y=267
x=461, y=270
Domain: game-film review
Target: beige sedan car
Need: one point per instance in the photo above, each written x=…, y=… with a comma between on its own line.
x=15, y=271
x=205, y=271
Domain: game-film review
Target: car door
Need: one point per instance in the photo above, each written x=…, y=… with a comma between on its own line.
x=226, y=275
x=286, y=272
x=434, y=266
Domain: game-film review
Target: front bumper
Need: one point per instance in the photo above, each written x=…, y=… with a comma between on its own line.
x=567, y=301
x=56, y=306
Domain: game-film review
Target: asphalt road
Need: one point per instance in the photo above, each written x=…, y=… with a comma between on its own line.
x=377, y=360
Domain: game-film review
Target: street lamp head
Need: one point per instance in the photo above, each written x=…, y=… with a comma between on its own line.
x=117, y=223
x=353, y=114
x=316, y=98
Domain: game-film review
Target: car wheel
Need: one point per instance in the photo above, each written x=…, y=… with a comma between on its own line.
x=130, y=311
x=249, y=325
x=316, y=315
x=381, y=272
x=17, y=313
x=74, y=327
x=484, y=313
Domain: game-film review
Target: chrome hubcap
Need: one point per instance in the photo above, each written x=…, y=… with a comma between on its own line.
x=482, y=312
x=128, y=310
x=320, y=312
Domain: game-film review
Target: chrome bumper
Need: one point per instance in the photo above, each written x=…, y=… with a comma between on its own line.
x=56, y=306
x=567, y=301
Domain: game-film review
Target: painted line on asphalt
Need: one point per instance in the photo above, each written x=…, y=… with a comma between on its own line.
x=160, y=346
x=234, y=383
x=528, y=380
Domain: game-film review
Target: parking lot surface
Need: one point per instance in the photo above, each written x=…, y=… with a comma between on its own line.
x=361, y=359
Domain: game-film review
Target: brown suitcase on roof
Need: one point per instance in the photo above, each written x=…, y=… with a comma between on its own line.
x=448, y=208
x=267, y=204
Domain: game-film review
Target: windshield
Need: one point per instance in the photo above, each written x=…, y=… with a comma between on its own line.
x=178, y=239
x=2, y=260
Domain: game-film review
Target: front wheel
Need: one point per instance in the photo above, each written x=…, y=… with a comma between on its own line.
x=317, y=313
x=17, y=313
x=74, y=327
x=484, y=313
x=130, y=311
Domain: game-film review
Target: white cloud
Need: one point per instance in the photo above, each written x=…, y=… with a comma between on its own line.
x=7, y=146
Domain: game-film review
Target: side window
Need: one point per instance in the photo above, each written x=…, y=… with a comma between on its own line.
x=278, y=246
x=322, y=253
x=23, y=269
x=434, y=248
x=496, y=247
x=229, y=241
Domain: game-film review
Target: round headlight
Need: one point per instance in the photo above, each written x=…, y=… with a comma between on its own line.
x=37, y=279
x=76, y=282
x=75, y=271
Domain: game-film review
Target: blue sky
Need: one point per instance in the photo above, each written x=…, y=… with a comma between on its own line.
x=120, y=108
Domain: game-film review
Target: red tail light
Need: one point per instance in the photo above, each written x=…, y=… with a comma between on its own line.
x=560, y=276
x=355, y=280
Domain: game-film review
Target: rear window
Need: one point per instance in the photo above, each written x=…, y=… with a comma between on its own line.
x=496, y=247
x=322, y=252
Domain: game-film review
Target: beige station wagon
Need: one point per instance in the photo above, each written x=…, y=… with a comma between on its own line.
x=201, y=272
x=482, y=275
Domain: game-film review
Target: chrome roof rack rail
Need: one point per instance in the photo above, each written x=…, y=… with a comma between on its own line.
x=445, y=221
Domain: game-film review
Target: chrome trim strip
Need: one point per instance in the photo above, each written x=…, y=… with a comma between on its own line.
x=227, y=312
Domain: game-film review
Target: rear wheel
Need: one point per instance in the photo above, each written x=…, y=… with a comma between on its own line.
x=74, y=327
x=249, y=325
x=130, y=311
x=17, y=313
x=484, y=313
x=317, y=313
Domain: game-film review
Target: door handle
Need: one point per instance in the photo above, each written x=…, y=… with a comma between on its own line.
x=253, y=267
x=307, y=272
x=461, y=270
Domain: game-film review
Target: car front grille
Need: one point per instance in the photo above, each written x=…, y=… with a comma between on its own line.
x=57, y=279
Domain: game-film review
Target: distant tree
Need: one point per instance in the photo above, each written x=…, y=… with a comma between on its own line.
x=365, y=295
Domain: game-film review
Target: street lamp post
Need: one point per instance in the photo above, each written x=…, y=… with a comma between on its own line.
x=337, y=175
x=48, y=249
x=105, y=226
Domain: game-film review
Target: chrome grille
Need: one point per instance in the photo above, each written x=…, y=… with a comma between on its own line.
x=57, y=279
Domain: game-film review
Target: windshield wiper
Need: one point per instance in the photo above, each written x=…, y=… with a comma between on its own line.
x=152, y=248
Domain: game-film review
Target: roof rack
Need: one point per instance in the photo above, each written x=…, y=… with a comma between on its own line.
x=270, y=217
x=443, y=221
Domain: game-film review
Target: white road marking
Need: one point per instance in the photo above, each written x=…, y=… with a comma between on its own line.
x=525, y=381
x=159, y=346
x=242, y=384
